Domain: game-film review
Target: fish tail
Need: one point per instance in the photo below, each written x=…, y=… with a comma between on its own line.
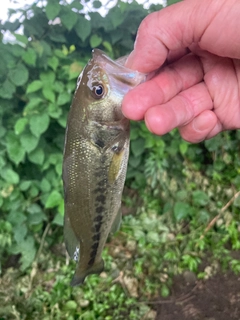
x=80, y=275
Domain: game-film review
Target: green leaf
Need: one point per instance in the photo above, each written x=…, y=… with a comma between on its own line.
x=134, y=161
x=19, y=75
x=107, y=46
x=57, y=37
x=2, y=163
x=15, y=151
x=52, y=9
x=214, y=144
x=61, y=208
x=17, y=50
x=63, y=98
x=7, y=89
x=97, y=4
x=62, y=120
x=38, y=46
x=12, y=26
x=34, y=86
x=83, y=28
x=2, y=131
x=53, y=62
x=21, y=38
x=45, y=185
x=68, y=18
x=28, y=141
x=182, y=195
x=200, y=198
x=37, y=156
x=137, y=147
x=20, y=125
x=34, y=104
x=16, y=218
x=36, y=218
x=203, y=216
x=34, y=208
x=29, y=57
x=58, y=219
x=48, y=78
x=170, y=2
x=54, y=110
x=10, y=176
x=39, y=123
x=28, y=252
x=183, y=147
x=76, y=4
x=25, y=185
x=3, y=68
x=53, y=199
x=48, y=94
x=71, y=305
x=58, y=86
x=74, y=71
x=181, y=210
x=20, y=232
x=33, y=192
x=116, y=18
x=153, y=236
x=165, y=292
x=95, y=41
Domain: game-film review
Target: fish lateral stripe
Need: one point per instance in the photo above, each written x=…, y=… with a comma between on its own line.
x=101, y=198
x=96, y=237
x=99, y=209
x=98, y=218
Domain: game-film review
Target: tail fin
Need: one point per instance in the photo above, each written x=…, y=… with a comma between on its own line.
x=80, y=275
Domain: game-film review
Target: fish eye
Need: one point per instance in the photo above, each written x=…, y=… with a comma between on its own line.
x=98, y=91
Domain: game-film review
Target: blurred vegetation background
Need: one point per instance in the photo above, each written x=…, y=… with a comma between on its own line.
x=180, y=204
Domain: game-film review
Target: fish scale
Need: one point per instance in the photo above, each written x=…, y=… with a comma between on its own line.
x=95, y=161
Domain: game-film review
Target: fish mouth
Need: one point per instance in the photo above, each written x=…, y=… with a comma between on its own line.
x=122, y=79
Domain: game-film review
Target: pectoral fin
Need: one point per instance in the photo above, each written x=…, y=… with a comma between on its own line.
x=72, y=244
x=115, y=166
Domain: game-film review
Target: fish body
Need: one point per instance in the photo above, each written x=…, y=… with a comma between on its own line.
x=95, y=161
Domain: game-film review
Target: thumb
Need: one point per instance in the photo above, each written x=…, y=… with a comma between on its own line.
x=172, y=28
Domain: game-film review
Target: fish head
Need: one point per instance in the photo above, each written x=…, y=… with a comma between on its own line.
x=101, y=87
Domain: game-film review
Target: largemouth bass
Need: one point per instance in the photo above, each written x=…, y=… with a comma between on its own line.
x=95, y=160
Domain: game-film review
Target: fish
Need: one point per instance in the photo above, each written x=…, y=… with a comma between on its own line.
x=95, y=160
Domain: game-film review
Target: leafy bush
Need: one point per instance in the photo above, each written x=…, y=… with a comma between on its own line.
x=38, y=72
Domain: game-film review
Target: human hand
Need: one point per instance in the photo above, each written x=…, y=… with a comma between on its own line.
x=198, y=91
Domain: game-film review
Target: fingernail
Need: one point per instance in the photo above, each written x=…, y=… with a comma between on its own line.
x=130, y=60
x=200, y=123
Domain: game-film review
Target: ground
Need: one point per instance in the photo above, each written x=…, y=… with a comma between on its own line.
x=217, y=298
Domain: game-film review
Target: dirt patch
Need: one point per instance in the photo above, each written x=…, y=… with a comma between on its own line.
x=215, y=299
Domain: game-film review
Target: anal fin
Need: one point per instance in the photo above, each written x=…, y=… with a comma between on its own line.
x=71, y=242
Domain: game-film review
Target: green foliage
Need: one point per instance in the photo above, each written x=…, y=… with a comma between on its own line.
x=174, y=189
x=38, y=74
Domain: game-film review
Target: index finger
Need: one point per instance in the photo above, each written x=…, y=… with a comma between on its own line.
x=172, y=28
